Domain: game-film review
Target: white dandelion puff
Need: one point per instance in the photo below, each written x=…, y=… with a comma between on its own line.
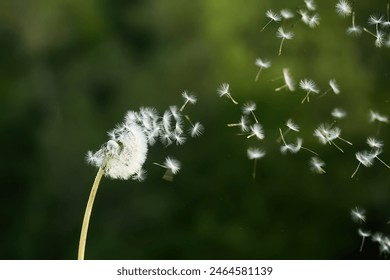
x=188, y=98
x=284, y=36
x=365, y=158
x=343, y=8
x=286, y=14
x=338, y=113
x=288, y=81
x=255, y=154
x=249, y=108
x=310, y=87
x=243, y=124
x=256, y=130
x=374, y=143
x=273, y=17
x=363, y=234
x=314, y=21
x=354, y=29
x=224, y=90
x=196, y=129
x=262, y=64
x=311, y=5
x=333, y=86
x=358, y=215
x=316, y=165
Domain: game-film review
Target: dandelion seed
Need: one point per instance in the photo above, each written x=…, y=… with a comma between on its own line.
x=196, y=129
x=273, y=17
x=293, y=148
x=224, y=90
x=288, y=81
x=188, y=98
x=387, y=22
x=262, y=64
x=139, y=176
x=249, y=108
x=343, y=8
x=255, y=154
x=284, y=36
x=304, y=16
x=375, y=20
x=310, y=87
x=363, y=234
x=374, y=143
x=290, y=126
x=327, y=134
x=358, y=215
x=311, y=5
x=375, y=116
x=364, y=158
x=286, y=14
x=338, y=113
x=256, y=130
x=354, y=29
x=316, y=165
x=243, y=124
x=377, y=237
x=314, y=20
x=379, y=37
x=172, y=167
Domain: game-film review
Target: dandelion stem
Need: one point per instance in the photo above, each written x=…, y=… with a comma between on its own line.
x=254, y=169
x=311, y=151
x=87, y=215
x=265, y=25
x=361, y=244
x=336, y=146
x=369, y=32
x=281, y=45
x=346, y=141
x=182, y=107
x=258, y=74
x=280, y=88
x=281, y=137
x=357, y=168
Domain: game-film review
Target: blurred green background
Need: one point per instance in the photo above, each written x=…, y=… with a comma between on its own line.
x=71, y=69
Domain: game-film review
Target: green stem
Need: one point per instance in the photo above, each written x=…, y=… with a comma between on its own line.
x=87, y=215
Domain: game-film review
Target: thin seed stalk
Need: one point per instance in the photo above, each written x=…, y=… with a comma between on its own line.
x=87, y=215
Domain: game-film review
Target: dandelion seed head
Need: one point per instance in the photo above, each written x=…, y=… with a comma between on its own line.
x=338, y=113
x=286, y=14
x=358, y=215
x=257, y=130
x=172, y=164
x=374, y=143
x=375, y=19
x=196, y=130
x=311, y=5
x=188, y=97
x=291, y=125
x=288, y=80
x=343, y=8
x=262, y=63
x=273, y=16
x=255, y=153
x=309, y=86
x=316, y=165
x=223, y=89
x=283, y=34
x=249, y=107
x=334, y=86
x=365, y=157
x=375, y=116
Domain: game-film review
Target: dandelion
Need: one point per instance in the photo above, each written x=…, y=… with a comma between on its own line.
x=374, y=143
x=122, y=157
x=343, y=8
x=284, y=36
x=249, y=108
x=288, y=81
x=172, y=167
x=366, y=158
x=379, y=37
x=224, y=90
x=291, y=125
x=311, y=5
x=316, y=165
x=387, y=22
x=286, y=14
x=375, y=116
x=363, y=234
x=338, y=113
x=273, y=17
x=375, y=20
x=243, y=124
x=314, y=20
x=327, y=134
x=196, y=129
x=354, y=29
x=256, y=130
x=293, y=148
x=255, y=154
x=262, y=64
x=358, y=215
x=188, y=98
x=310, y=87
x=333, y=86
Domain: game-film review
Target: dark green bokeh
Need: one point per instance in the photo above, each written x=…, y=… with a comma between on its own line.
x=71, y=69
